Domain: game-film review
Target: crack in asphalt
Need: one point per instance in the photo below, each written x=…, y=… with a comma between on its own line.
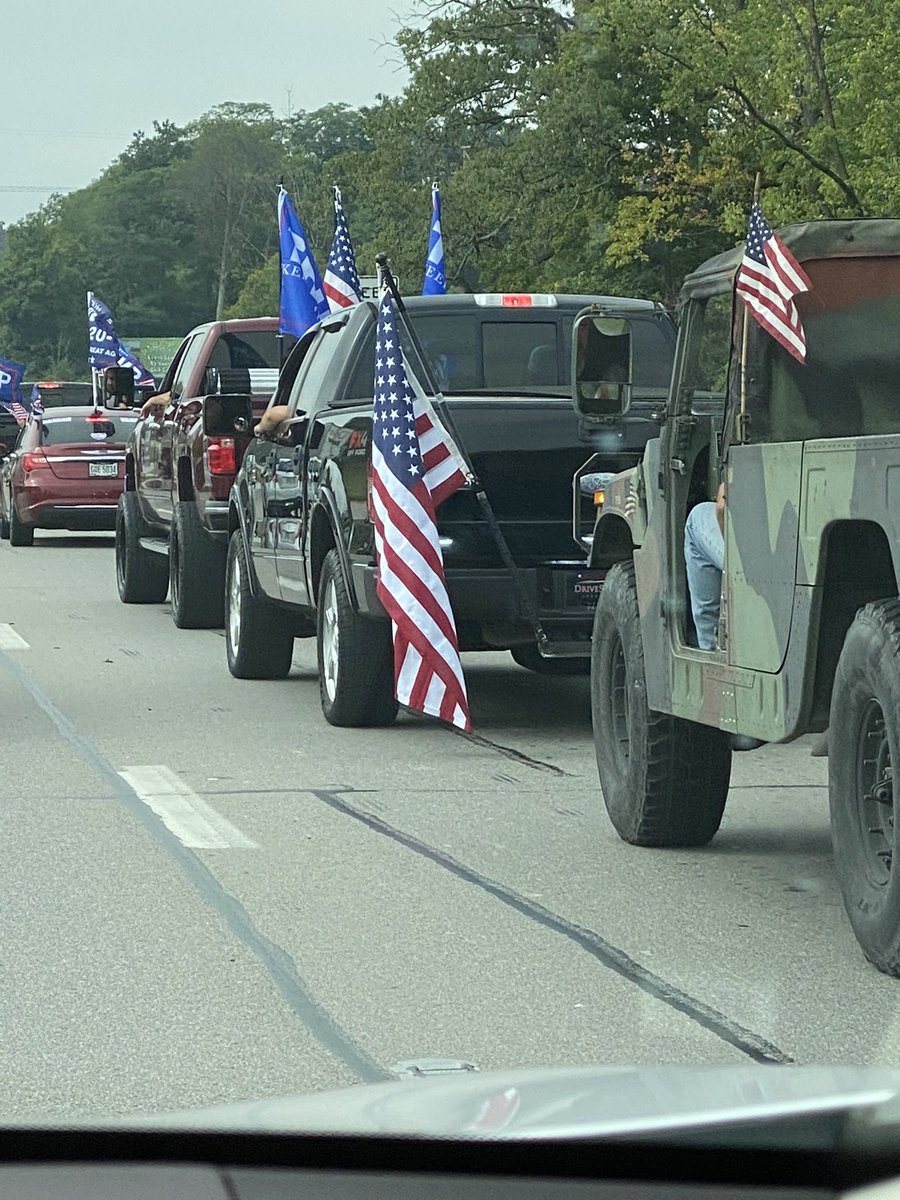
x=755, y=1046
x=537, y=764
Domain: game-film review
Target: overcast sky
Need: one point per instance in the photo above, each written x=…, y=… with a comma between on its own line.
x=88, y=75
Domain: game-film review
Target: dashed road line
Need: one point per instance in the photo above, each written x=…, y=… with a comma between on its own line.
x=195, y=823
x=10, y=640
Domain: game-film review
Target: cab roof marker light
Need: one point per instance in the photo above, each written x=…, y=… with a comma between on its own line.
x=515, y=300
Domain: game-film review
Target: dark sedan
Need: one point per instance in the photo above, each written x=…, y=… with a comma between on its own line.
x=66, y=472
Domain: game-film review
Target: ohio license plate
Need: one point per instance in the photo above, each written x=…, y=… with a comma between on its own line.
x=105, y=470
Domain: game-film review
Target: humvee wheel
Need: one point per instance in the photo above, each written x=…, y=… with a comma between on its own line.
x=664, y=779
x=862, y=746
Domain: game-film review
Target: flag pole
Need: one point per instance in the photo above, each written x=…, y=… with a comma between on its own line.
x=279, y=336
x=742, y=417
x=93, y=368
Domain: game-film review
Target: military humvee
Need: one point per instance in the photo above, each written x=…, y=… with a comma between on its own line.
x=809, y=628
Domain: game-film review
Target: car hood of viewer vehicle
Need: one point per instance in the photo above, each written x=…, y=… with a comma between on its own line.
x=753, y=1104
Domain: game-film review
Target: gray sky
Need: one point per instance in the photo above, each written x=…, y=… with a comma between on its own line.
x=78, y=95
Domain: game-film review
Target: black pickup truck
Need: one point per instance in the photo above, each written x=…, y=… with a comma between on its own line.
x=301, y=548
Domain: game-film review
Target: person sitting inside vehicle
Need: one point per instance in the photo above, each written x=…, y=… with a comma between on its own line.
x=704, y=557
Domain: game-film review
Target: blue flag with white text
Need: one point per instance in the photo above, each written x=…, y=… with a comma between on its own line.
x=105, y=349
x=435, y=283
x=10, y=384
x=303, y=299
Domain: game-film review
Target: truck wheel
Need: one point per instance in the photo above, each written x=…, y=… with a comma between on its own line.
x=862, y=747
x=356, y=656
x=530, y=658
x=259, y=641
x=196, y=571
x=20, y=534
x=142, y=577
x=664, y=779
x=4, y=529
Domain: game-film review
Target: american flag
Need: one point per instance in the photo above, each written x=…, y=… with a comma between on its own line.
x=19, y=411
x=341, y=280
x=415, y=465
x=768, y=280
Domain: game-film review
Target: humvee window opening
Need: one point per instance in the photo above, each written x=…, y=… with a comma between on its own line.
x=848, y=385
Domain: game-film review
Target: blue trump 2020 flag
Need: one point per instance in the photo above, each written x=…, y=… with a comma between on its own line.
x=105, y=349
x=10, y=383
x=303, y=299
x=435, y=283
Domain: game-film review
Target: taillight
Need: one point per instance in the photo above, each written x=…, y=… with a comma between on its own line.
x=34, y=460
x=221, y=455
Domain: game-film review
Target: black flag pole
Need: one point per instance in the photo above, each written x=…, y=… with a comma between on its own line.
x=279, y=336
x=529, y=611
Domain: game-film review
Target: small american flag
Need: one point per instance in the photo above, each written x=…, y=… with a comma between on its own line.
x=415, y=465
x=768, y=280
x=341, y=282
x=19, y=411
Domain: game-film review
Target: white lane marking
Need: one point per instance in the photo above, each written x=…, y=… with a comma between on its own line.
x=10, y=640
x=183, y=812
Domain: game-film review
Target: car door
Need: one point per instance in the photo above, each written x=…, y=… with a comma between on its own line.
x=155, y=500
x=295, y=465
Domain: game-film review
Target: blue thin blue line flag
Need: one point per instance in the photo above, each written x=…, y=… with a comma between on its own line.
x=104, y=347
x=10, y=386
x=303, y=299
x=435, y=283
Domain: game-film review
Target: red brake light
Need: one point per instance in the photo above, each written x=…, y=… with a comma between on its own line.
x=516, y=300
x=221, y=456
x=33, y=460
x=46, y=383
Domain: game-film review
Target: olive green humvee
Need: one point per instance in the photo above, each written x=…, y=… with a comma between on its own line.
x=809, y=627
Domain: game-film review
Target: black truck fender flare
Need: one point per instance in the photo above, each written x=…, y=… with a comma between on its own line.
x=325, y=515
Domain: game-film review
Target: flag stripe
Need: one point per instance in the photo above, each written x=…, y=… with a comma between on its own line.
x=768, y=280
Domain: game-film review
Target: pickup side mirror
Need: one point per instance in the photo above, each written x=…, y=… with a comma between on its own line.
x=118, y=387
x=225, y=416
x=601, y=366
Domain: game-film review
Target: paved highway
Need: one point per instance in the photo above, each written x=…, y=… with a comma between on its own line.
x=210, y=894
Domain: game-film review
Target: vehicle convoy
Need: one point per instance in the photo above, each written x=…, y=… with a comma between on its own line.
x=301, y=554
x=809, y=628
x=66, y=471
x=171, y=529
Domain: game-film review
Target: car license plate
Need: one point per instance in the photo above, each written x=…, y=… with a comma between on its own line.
x=584, y=588
x=105, y=470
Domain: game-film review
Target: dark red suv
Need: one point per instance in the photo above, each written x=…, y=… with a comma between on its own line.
x=66, y=472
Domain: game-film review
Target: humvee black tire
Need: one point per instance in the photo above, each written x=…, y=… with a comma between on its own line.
x=356, y=656
x=142, y=577
x=259, y=641
x=196, y=571
x=20, y=534
x=664, y=779
x=530, y=658
x=862, y=747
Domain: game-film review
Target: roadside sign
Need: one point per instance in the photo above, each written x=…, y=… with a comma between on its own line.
x=369, y=285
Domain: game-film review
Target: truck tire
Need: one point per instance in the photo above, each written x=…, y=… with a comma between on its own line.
x=20, y=534
x=530, y=658
x=196, y=571
x=862, y=747
x=4, y=529
x=356, y=656
x=142, y=577
x=664, y=779
x=259, y=641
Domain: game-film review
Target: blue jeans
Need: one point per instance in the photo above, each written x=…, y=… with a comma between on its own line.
x=704, y=557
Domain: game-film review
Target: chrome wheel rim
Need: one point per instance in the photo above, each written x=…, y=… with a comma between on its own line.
x=330, y=641
x=234, y=605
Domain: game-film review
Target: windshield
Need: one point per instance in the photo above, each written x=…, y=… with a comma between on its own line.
x=452, y=726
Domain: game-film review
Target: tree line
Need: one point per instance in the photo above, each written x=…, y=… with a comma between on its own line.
x=585, y=146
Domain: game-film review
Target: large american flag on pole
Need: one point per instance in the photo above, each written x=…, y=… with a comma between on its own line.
x=341, y=282
x=415, y=465
x=768, y=280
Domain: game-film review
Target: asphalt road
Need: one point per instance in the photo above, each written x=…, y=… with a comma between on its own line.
x=210, y=894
